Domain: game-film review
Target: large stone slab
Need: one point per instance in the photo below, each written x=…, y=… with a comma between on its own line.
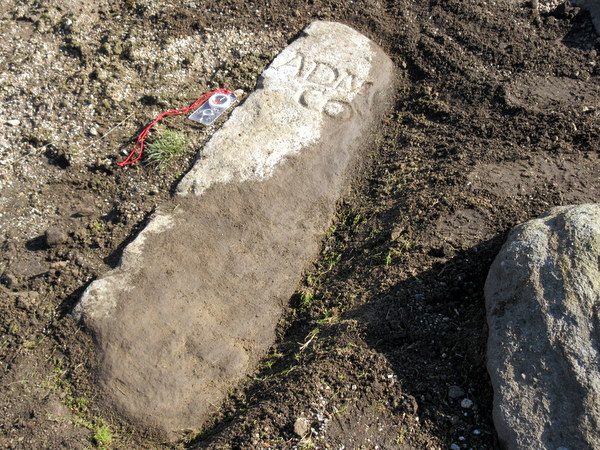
x=194, y=303
x=543, y=310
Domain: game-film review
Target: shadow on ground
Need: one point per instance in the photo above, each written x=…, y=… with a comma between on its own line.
x=432, y=330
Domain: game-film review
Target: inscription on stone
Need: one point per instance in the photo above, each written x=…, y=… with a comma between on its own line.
x=324, y=87
x=317, y=84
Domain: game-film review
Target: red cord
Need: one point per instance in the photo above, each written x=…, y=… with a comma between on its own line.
x=139, y=144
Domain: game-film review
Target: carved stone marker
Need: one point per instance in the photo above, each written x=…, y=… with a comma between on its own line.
x=194, y=304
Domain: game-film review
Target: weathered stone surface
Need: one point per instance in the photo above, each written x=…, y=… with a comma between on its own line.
x=543, y=310
x=593, y=7
x=195, y=301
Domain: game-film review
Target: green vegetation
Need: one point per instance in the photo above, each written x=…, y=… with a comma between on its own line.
x=306, y=300
x=166, y=147
x=96, y=227
x=288, y=371
x=398, y=249
x=273, y=359
x=82, y=416
x=328, y=318
x=307, y=444
x=388, y=259
x=102, y=436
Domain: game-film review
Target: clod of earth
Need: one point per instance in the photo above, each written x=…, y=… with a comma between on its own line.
x=55, y=237
x=195, y=301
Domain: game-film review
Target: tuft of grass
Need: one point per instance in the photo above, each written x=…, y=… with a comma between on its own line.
x=96, y=227
x=82, y=417
x=307, y=444
x=328, y=318
x=273, y=359
x=306, y=300
x=342, y=410
x=166, y=147
x=102, y=436
x=388, y=259
x=286, y=372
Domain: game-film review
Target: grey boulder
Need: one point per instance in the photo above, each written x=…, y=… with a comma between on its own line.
x=543, y=310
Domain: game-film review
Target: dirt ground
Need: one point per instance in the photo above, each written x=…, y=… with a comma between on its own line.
x=383, y=345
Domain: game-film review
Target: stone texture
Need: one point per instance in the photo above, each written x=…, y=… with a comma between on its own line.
x=543, y=309
x=195, y=301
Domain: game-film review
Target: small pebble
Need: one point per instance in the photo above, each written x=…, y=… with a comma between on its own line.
x=9, y=280
x=301, y=426
x=93, y=131
x=455, y=392
x=454, y=447
x=13, y=122
x=454, y=420
x=85, y=211
x=476, y=432
x=466, y=403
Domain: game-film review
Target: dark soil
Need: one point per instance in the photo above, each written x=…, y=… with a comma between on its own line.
x=497, y=121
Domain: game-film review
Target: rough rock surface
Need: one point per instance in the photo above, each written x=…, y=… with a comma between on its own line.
x=543, y=310
x=196, y=298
